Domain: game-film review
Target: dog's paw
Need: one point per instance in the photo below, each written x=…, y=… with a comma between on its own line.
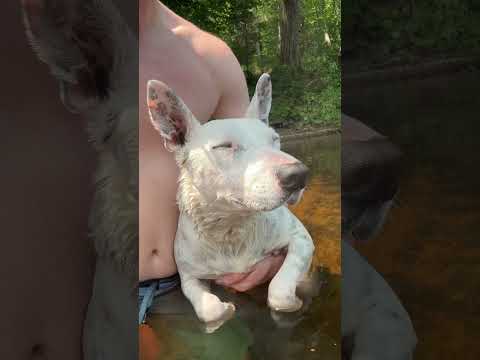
x=212, y=326
x=213, y=310
x=284, y=303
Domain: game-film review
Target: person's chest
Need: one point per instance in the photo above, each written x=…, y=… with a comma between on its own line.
x=177, y=65
x=172, y=61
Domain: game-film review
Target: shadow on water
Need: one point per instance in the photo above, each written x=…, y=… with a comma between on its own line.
x=429, y=250
x=255, y=333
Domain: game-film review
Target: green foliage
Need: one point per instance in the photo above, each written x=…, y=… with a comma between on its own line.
x=407, y=28
x=231, y=21
x=321, y=18
x=307, y=96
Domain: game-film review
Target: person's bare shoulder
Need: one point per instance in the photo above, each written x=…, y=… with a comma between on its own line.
x=224, y=67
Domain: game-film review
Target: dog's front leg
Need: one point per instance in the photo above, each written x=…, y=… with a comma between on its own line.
x=281, y=291
x=209, y=308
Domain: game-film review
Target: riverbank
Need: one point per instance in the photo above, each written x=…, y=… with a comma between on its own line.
x=370, y=74
x=306, y=131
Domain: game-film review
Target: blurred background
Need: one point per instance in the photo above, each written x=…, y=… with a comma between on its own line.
x=378, y=33
x=411, y=70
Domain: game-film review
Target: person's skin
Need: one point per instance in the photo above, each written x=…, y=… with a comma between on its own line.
x=204, y=72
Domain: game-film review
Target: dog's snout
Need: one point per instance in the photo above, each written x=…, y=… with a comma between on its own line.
x=293, y=177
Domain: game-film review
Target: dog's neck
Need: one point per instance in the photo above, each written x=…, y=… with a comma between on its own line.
x=215, y=220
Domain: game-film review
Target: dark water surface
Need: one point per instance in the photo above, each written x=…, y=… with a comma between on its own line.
x=314, y=332
x=429, y=251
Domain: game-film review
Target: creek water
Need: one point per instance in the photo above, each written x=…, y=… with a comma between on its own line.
x=429, y=251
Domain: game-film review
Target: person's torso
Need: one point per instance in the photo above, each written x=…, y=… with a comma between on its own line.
x=173, y=61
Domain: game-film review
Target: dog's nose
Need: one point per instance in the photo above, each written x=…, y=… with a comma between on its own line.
x=293, y=177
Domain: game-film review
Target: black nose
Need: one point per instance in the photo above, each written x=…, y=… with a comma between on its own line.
x=293, y=177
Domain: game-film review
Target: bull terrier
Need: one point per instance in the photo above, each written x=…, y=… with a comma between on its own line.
x=234, y=185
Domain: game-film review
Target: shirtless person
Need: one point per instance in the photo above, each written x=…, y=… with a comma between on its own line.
x=203, y=71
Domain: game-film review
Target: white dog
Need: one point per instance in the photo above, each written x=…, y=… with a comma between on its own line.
x=233, y=186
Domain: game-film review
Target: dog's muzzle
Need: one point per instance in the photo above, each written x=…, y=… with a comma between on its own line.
x=295, y=197
x=293, y=179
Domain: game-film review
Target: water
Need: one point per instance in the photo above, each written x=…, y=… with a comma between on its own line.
x=429, y=250
x=253, y=334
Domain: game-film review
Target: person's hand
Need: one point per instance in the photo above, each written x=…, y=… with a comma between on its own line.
x=261, y=273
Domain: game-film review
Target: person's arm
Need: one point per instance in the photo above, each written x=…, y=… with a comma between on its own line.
x=228, y=75
x=233, y=102
x=261, y=273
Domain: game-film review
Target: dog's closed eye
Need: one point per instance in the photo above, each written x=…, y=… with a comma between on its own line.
x=224, y=145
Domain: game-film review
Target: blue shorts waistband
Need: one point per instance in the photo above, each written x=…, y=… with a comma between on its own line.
x=165, y=280
x=148, y=289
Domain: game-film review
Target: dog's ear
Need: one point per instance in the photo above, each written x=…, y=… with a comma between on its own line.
x=169, y=115
x=84, y=43
x=261, y=103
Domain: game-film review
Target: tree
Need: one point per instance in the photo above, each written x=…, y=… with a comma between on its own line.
x=290, y=26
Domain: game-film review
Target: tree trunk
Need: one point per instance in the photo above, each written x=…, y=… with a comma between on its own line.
x=290, y=21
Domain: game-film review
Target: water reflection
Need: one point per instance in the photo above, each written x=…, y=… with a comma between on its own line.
x=429, y=250
x=320, y=208
x=256, y=332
